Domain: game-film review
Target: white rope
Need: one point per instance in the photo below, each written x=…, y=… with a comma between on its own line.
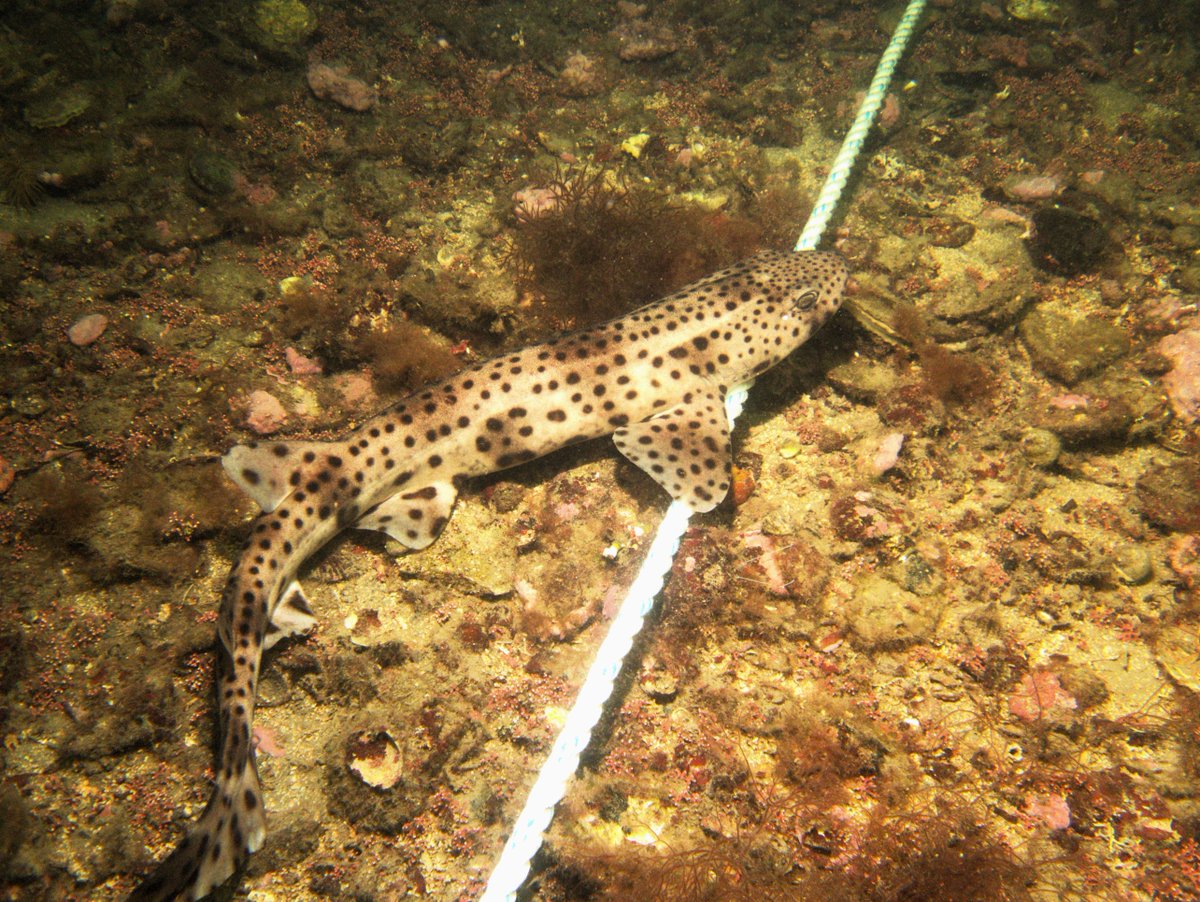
x=526, y=837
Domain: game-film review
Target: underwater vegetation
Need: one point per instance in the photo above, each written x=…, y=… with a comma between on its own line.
x=578, y=247
x=20, y=184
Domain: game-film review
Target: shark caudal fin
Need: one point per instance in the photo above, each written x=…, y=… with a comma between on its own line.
x=231, y=827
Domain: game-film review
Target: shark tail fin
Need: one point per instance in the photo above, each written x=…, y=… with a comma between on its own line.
x=231, y=827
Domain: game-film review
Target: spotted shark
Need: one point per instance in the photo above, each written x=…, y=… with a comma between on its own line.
x=656, y=379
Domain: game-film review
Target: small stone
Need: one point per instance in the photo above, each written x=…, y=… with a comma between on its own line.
x=264, y=413
x=87, y=329
x=1041, y=447
x=375, y=758
x=1051, y=810
x=335, y=83
x=1132, y=564
x=661, y=685
x=1029, y=188
x=789, y=448
x=887, y=453
x=28, y=403
x=1177, y=650
x=1041, y=697
x=635, y=144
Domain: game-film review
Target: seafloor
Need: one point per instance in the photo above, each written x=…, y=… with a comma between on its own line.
x=941, y=645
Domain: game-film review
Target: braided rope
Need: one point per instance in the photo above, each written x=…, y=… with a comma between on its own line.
x=547, y=791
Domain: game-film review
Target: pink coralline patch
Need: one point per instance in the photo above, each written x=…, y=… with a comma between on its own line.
x=8, y=475
x=888, y=452
x=1040, y=696
x=1035, y=187
x=356, y=388
x=1183, y=554
x=264, y=413
x=1069, y=402
x=1183, y=381
x=1051, y=810
x=87, y=329
x=873, y=523
x=265, y=741
x=526, y=592
x=767, y=560
x=335, y=83
x=531, y=203
x=1006, y=216
x=257, y=194
x=301, y=365
x=889, y=111
x=580, y=76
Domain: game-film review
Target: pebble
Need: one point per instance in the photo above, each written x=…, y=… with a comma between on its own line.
x=1029, y=188
x=1132, y=564
x=336, y=84
x=264, y=413
x=87, y=329
x=1041, y=447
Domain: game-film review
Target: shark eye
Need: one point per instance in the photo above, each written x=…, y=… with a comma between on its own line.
x=806, y=301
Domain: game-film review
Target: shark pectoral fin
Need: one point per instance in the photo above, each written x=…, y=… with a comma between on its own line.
x=413, y=518
x=686, y=449
x=263, y=471
x=292, y=615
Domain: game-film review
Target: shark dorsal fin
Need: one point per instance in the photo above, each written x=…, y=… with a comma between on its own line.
x=263, y=470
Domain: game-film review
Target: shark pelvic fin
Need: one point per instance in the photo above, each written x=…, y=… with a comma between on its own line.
x=292, y=615
x=413, y=518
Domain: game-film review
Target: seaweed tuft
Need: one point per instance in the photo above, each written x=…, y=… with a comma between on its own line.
x=602, y=247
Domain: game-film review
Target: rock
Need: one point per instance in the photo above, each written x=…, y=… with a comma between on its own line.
x=87, y=329
x=224, y=285
x=1067, y=347
x=881, y=614
x=1086, y=421
x=335, y=83
x=863, y=380
x=264, y=413
x=1170, y=495
x=213, y=173
x=987, y=283
x=1066, y=243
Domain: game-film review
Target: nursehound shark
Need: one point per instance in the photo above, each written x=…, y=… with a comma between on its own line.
x=655, y=379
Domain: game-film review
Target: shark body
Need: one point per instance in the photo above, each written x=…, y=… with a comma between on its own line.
x=656, y=379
